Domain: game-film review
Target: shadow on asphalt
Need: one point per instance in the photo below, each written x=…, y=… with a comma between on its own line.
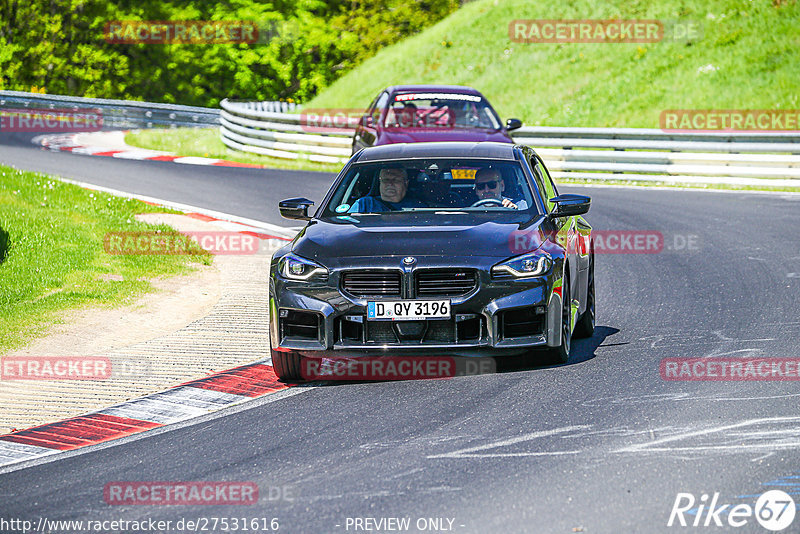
x=582, y=351
x=3, y=244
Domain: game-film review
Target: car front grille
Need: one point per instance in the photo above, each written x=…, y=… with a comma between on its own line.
x=381, y=332
x=441, y=332
x=372, y=283
x=445, y=282
x=469, y=329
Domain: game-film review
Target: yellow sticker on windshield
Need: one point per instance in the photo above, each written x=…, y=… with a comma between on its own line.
x=464, y=174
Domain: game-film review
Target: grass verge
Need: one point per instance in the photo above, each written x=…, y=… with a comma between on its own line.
x=205, y=142
x=52, y=257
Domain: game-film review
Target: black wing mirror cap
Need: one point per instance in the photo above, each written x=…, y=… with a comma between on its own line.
x=513, y=124
x=295, y=208
x=568, y=205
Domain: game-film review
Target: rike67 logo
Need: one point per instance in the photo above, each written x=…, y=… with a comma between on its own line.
x=774, y=510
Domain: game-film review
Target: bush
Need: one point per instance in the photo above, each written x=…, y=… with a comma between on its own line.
x=60, y=45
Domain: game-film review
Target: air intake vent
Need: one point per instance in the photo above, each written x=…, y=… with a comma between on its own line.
x=445, y=282
x=521, y=322
x=372, y=283
x=301, y=325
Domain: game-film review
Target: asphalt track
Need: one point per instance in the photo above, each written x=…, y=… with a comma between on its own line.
x=601, y=444
x=251, y=193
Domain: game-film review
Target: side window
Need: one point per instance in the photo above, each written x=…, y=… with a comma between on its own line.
x=537, y=177
x=380, y=105
x=372, y=105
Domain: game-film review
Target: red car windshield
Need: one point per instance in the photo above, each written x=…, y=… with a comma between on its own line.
x=440, y=111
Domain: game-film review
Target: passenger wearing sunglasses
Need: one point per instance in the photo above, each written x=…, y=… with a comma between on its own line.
x=489, y=185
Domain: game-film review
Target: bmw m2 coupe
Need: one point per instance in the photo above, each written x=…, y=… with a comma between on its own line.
x=429, y=249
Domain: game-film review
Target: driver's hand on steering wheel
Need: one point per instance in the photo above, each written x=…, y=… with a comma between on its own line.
x=508, y=204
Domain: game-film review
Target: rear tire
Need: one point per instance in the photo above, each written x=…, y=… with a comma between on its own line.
x=286, y=365
x=585, y=325
x=560, y=354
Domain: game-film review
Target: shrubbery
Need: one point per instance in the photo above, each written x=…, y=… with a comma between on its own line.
x=60, y=45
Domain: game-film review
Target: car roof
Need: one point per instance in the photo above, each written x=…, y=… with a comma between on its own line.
x=460, y=89
x=452, y=149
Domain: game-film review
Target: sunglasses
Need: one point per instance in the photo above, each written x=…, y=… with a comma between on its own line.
x=483, y=185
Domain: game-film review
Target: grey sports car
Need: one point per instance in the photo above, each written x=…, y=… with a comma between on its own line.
x=427, y=249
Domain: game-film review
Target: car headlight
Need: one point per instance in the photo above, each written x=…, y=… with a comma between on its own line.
x=294, y=267
x=525, y=266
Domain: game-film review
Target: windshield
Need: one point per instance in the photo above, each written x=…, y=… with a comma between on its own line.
x=440, y=110
x=432, y=185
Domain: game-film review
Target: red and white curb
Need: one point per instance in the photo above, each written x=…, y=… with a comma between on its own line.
x=241, y=228
x=72, y=143
x=186, y=401
x=226, y=221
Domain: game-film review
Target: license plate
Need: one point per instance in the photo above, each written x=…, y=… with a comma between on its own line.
x=408, y=310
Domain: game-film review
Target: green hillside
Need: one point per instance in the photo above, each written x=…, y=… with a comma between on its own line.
x=748, y=58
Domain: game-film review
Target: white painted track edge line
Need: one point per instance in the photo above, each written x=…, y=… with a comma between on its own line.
x=280, y=231
x=231, y=409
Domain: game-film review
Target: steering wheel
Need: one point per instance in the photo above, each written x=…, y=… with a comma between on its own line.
x=487, y=201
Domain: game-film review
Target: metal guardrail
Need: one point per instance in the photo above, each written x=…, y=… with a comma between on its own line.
x=281, y=135
x=116, y=114
x=771, y=158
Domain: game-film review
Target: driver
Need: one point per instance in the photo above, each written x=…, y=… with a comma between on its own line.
x=407, y=117
x=393, y=188
x=489, y=184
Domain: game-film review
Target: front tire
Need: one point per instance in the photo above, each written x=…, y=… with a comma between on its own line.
x=286, y=365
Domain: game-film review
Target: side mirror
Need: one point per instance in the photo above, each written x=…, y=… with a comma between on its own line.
x=568, y=205
x=513, y=124
x=295, y=208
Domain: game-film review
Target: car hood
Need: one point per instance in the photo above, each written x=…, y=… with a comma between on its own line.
x=430, y=135
x=394, y=236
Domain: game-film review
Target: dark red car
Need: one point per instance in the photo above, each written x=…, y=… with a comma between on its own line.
x=427, y=113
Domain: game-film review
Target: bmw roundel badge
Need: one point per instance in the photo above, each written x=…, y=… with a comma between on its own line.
x=409, y=260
